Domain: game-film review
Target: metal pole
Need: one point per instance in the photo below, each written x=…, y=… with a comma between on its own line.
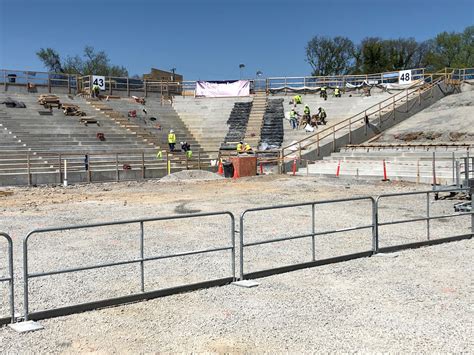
x=143, y=165
x=232, y=236
x=241, y=246
x=142, y=256
x=428, y=215
x=11, y=281
x=453, y=166
x=59, y=164
x=28, y=168
x=65, y=173
x=25, y=279
x=313, y=228
x=433, y=163
x=375, y=226
x=117, y=176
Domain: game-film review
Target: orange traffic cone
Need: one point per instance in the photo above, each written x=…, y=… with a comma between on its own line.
x=220, y=170
x=236, y=173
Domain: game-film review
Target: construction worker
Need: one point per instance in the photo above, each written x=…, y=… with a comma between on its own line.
x=297, y=99
x=322, y=116
x=337, y=92
x=95, y=90
x=171, y=140
x=247, y=148
x=293, y=119
x=323, y=93
x=306, y=110
x=240, y=147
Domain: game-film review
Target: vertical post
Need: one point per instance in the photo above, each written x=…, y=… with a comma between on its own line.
x=168, y=163
x=4, y=80
x=199, y=159
x=59, y=165
x=313, y=228
x=375, y=226
x=25, y=279
x=65, y=173
x=117, y=176
x=142, y=256
x=161, y=93
x=241, y=247
x=333, y=138
x=458, y=175
x=453, y=167
x=406, y=101
x=428, y=215
x=69, y=83
x=11, y=281
x=110, y=85
x=350, y=131
x=88, y=172
x=472, y=215
x=145, y=87
x=433, y=164
x=128, y=87
x=28, y=167
x=49, y=83
x=317, y=142
x=143, y=165
x=380, y=114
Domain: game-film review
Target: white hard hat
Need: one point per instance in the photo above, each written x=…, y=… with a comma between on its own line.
x=171, y=131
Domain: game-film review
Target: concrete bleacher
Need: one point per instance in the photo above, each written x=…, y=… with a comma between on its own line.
x=60, y=133
x=165, y=116
x=413, y=164
x=207, y=118
x=337, y=109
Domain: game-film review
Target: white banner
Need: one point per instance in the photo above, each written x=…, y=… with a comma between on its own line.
x=223, y=89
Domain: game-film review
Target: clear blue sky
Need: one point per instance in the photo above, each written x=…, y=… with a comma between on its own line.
x=208, y=39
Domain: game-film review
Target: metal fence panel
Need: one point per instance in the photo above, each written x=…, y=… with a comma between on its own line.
x=424, y=219
x=9, y=277
x=312, y=234
x=141, y=261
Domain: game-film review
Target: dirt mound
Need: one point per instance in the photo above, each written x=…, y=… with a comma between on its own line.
x=194, y=175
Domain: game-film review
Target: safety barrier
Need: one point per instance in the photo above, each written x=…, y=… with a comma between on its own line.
x=9, y=279
x=312, y=235
x=141, y=260
x=427, y=219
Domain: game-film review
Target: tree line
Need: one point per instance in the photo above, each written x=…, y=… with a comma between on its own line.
x=340, y=56
x=91, y=62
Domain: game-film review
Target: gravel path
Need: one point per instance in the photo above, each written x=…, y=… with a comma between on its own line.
x=345, y=307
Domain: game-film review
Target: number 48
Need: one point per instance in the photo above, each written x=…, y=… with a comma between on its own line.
x=405, y=77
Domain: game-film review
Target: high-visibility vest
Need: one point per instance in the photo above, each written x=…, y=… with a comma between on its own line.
x=239, y=147
x=247, y=147
x=336, y=91
x=306, y=110
x=292, y=114
x=171, y=138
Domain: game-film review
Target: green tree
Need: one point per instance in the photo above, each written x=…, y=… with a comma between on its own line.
x=374, y=56
x=330, y=56
x=91, y=62
x=50, y=59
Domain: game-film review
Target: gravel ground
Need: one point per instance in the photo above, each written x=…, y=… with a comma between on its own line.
x=344, y=307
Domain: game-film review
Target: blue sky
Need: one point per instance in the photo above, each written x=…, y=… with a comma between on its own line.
x=208, y=39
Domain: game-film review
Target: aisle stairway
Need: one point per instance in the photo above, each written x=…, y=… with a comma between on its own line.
x=255, y=122
x=272, y=129
x=237, y=122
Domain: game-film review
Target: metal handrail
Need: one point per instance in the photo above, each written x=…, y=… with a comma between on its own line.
x=348, y=121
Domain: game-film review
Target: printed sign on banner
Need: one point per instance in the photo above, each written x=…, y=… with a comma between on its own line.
x=404, y=76
x=99, y=80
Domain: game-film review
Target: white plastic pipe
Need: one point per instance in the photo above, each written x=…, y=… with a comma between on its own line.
x=65, y=172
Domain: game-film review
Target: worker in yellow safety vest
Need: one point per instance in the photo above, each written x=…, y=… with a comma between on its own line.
x=337, y=92
x=240, y=147
x=171, y=140
x=247, y=148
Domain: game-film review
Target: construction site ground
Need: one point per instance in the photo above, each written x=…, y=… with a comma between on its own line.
x=417, y=300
